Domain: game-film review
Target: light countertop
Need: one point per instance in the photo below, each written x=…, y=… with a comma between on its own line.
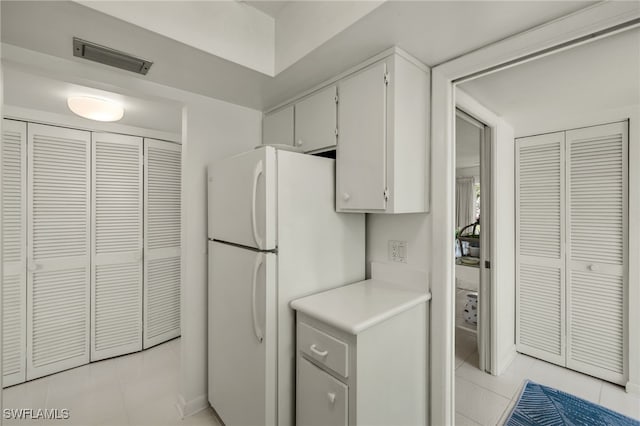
x=356, y=307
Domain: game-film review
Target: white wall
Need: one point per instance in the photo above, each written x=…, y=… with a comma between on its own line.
x=212, y=130
x=302, y=26
x=502, y=232
x=413, y=228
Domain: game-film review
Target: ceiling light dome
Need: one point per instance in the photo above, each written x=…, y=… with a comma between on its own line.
x=95, y=108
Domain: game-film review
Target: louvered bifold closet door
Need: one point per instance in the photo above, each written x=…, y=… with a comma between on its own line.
x=162, y=189
x=597, y=250
x=58, y=278
x=14, y=254
x=116, y=269
x=540, y=278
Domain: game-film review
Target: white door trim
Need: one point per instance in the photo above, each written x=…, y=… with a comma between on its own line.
x=592, y=19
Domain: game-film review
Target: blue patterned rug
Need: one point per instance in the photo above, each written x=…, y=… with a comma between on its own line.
x=541, y=405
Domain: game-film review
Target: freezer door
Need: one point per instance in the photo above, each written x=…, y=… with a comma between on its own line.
x=242, y=199
x=242, y=335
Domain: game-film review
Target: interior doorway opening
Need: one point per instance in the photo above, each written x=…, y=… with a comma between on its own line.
x=473, y=242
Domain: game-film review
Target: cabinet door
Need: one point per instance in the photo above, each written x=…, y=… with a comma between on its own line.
x=161, y=293
x=597, y=250
x=361, y=152
x=58, y=261
x=315, y=121
x=14, y=251
x=321, y=399
x=277, y=127
x=540, y=278
x=116, y=266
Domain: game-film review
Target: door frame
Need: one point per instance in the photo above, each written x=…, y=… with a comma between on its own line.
x=588, y=24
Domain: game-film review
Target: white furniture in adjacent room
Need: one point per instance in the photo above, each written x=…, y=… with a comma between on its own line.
x=572, y=248
x=362, y=356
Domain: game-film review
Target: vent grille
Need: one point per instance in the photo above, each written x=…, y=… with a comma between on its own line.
x=107, y=56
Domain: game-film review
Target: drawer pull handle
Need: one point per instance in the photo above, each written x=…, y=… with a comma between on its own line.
x=332, y=397
x=317, y=352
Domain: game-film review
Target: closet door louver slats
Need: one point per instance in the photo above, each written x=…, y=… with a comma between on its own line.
x=116, y=302
x=597, y=250
x=14, y=280
x=540, y=330
x=162, y=272
x=58, y=260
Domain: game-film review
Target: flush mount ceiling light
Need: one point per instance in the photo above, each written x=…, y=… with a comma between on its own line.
x=95, y=108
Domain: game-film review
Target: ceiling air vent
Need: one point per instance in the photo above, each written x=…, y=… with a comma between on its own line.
x=114, y=58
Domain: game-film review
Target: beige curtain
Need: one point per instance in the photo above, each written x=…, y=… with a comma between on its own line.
x=465, y=205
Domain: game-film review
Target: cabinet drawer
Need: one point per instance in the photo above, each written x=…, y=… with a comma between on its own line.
x=321, y=399
x=323, y=348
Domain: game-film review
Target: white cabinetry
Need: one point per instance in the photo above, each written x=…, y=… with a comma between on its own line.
x=277, y=127
x=362, y=356
x=316, y=120
x=383, y=117
x=571, y=248
x=379, y=126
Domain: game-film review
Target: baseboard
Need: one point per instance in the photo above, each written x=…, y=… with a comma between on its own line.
x=191, y=407
x=633, y=388
x=505, y=360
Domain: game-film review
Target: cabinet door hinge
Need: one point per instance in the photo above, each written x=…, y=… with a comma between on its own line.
x=336, y=98
x=386, y=194
x=335, y=132
x=386, y=78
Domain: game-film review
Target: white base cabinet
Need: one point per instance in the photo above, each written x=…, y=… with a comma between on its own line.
x=374, y=373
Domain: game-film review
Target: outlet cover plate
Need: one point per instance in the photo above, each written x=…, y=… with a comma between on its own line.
x=398, y=251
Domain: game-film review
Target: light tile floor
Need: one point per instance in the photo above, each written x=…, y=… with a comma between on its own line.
x=141, y=389
x=138, y=389
x=483, y=399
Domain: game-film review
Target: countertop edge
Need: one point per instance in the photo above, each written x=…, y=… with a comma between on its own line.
x=364, y=325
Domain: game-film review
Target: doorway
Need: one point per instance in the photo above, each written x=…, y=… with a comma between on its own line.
x=473, y=242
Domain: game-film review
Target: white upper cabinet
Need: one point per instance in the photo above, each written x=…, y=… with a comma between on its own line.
x=383, y=117
x=277, y=127
x=315, y=120
x=377, y=116
x=361, y=155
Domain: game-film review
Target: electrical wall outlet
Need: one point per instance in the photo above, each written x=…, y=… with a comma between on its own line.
x=398, y=251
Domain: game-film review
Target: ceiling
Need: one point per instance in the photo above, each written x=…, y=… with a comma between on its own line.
x=600, y=75
x=433, y=31
x=271, y=8
x=27, y=90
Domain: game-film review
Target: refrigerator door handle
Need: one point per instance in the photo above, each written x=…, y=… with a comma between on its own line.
x=254, y=226
x=256, y=327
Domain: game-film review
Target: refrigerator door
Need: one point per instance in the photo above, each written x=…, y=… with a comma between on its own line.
x=242, y=199
x=242, y=335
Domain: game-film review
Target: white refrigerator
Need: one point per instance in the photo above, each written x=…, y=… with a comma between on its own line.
x=273, y=236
